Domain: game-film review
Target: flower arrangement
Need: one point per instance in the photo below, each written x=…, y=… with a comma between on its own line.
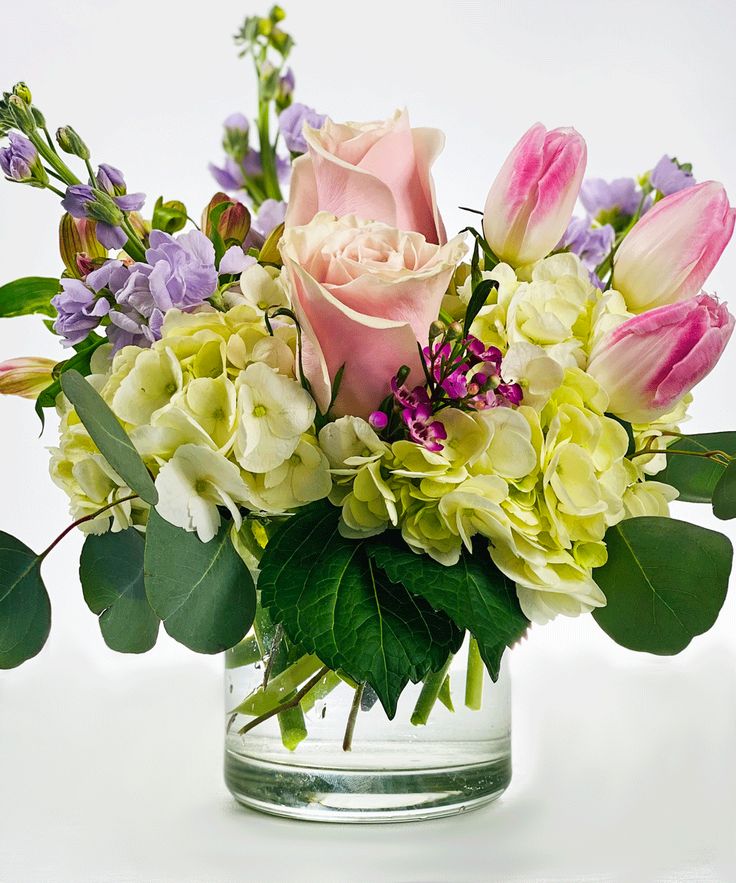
x=323, y=425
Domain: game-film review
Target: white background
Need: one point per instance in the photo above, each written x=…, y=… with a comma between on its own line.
x=110, y=765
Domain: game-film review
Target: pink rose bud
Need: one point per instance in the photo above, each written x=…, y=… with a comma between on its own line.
x=671, y=251
x=650, y=362
x=25, y=377
x=532, y=199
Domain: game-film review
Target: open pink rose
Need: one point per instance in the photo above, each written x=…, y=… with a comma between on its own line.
x=378, y=171
x=364, y=294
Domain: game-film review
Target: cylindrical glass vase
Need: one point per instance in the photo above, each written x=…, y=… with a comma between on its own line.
x=446, y=751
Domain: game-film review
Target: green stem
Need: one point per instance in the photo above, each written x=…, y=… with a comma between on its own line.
x=347, y=742
x=281, y=684
x=474, y=680
x=323, y=688
x=429, y=694
x=293, y=727
x=53, y=159
x=245, y=653
x=445, y=695
x=291, y=703
x=134, y=246
x=268, y=155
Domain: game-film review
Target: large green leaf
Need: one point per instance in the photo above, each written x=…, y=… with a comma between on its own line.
x=111, y=571
x=25, y=610
x=334, y=601
x=28, y=296
x=696, y=477
x=109, y=436
x=473, y=592
x=665, y=582
x=203, y=592
x=724, y=494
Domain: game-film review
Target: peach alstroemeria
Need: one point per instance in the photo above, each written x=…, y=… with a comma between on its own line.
x=365, y=294
x=379, y=171
x=26, y=377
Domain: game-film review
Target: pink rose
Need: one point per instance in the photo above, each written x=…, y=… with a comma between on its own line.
x=671, y=251
x=532, y=199
x=650, y=362
x=364, y=294
x=378, y=171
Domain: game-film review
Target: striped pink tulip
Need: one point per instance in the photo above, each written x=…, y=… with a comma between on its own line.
x=671, y=251
x=650, y=362
x=532, y=199
x=26, y=377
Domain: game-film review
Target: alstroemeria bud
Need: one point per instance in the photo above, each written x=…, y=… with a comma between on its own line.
x=232, y=223
x=671, y=251
x=532, y=199
x=77, y=237
x=26, y=377
x=71, y=143
x=650, y=362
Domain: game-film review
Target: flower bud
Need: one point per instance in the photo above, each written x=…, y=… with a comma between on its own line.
x=276, y=14
x=26, y=377
x=77, y=238
x=671, y=251
x=71, y=143
x=235, y=140
x=649, y=363
x=231, y=223
x=22, y=115
x=437, y=329
x=454, y=331
x=20, y=161
x=22, y=91
x=532, y=199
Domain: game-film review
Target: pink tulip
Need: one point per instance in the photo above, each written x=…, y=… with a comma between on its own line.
x=650, y=362
x=26, y=377
x=532, y=199
x=377, y=171
x=364, y=294
x=671, y=251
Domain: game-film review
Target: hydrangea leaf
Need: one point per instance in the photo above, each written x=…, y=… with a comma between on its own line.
x=109, y=436
x=203, y=592
x=334, y=601
x=724, y=494
x=665, y=582
x=473, y=592
x=25, y=610
x=696, y=477
x=111, y=572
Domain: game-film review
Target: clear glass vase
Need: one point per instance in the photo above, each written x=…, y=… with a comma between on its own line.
x=332, y=758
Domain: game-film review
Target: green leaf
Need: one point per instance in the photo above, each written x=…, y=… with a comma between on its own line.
x=111, y=571
x=80, y=362
x=109, y=436
x=203, y=592
x=665, y=582
x=477, y=302
x=334, y=601
x=473, y=592
x=724, y=495
x=25, y=610
x=169, y=216
x=28, y=296
x=696, y=477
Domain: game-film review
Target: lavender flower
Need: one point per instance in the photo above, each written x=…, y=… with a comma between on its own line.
x=270, y=215
x=229, y=176
x=80, y=311
x=602, y=199
x=292, y=122
x=105, y=205
x=19, y=158
x=590, y=244
x=668, y=176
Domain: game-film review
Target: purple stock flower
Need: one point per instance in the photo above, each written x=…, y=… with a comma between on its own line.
x=129, y=328
x=601, y=197
x=229, y=176
x=590, y=244
x=80, y=311
x=110, y=180
x=270, y=215
x=422, y=429
x=669, y=177
x=292, y=122
x=77, y=200
x=82, y=201
x=237, y=122
x=17, y=160
x=287, y=81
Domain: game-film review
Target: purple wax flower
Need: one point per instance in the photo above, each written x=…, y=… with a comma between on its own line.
x=512, y=392
x=599, y=196
x=456, y=383
x=590, y=244
x=415, y=398
x=18, y=158
x=292, y=122
x=422, y=429
x=668, y=177
x=80, y=311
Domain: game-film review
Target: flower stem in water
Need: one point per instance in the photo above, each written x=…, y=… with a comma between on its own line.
x=474, y=680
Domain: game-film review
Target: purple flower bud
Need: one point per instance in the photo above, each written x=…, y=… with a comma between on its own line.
x=292, y=122
x=111, y=180
x=17, y=160
x=668, y=176
x=237, y=122
x=78, y=198
x=287, y=82
x=378, y=420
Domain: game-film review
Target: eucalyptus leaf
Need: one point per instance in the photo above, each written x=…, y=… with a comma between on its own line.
x=109, y=436
x=28, y=296
x=203, y=592
x=665, y=582
x=80, y=362
x=473, y=592
x=696, y=477
x=334, y=601
x=25, y=610
x=111, y=572
x=724, y=495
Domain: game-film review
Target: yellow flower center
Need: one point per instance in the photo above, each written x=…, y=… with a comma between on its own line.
x=259, y=411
